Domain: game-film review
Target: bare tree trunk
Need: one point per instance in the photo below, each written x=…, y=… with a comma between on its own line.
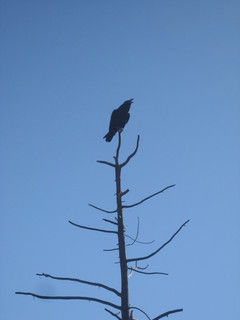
x=121, y=240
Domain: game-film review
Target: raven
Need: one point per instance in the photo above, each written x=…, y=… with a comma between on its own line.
x=119, y=118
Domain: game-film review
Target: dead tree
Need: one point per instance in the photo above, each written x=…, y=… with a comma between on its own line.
x=122, y=311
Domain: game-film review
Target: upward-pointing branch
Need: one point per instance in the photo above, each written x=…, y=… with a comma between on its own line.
x=136, y=308
x=166, y=314
x=153, y=253
x=152, y=195
x=119, y=145
x=132, y=154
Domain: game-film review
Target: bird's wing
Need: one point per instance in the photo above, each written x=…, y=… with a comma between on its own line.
x=113, y=120
x=127, y=118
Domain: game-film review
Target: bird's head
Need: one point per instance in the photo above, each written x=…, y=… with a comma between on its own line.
x=125, y=106
x=130, y=100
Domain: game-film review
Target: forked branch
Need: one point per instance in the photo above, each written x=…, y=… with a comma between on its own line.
x=108, y=303
x=155, y=252
x=136, y=308
x=96, y=284
x=134, y=240
x=148, y=273
x=137, y=241
x=139, y=270
x=149, y=197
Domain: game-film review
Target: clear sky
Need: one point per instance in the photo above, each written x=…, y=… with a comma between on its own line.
x=65, y=65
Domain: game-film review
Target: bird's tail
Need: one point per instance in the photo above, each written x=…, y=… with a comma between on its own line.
x=108, y=137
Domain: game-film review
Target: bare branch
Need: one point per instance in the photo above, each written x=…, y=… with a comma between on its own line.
x=136, y=308
x=131, y=315
x=142, y=268
x=145, y=199
x=131, y=272
x=70, y=298
x=134, y=240
x=107, y=163
x=167, y=242
x=110, y=221
x=108, y=250
x=114, y=249
x=124, y=192
x=93, y=229
x=137, y=241
x=96, y=284
x=113, y=314
x=132, y=154
x=166, y=314
x=148, y=273
x=107, y=211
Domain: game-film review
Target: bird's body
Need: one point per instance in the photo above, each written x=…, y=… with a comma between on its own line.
x=119, y=119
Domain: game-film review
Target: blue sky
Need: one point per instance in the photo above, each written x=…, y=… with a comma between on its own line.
x=65, y=65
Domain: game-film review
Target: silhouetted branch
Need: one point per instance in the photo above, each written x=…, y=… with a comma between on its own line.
x=113, y=314
x=115, y=249
x=93, y=229
x=153, y=253
x=107, y=211
x=132, y=154
x=166, y=314
x=131, y=316
x=107, y=163
x=136, y=308
x=119, y=145
x=145, y=199
x=124, y=192
x=148, y=273
x=70, y=298
x=96, y=284
x=108, y=250
x=110, y=221
x=127, y=236
x=135, y=239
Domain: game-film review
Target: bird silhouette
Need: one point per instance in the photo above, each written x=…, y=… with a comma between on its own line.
x=119, y=119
